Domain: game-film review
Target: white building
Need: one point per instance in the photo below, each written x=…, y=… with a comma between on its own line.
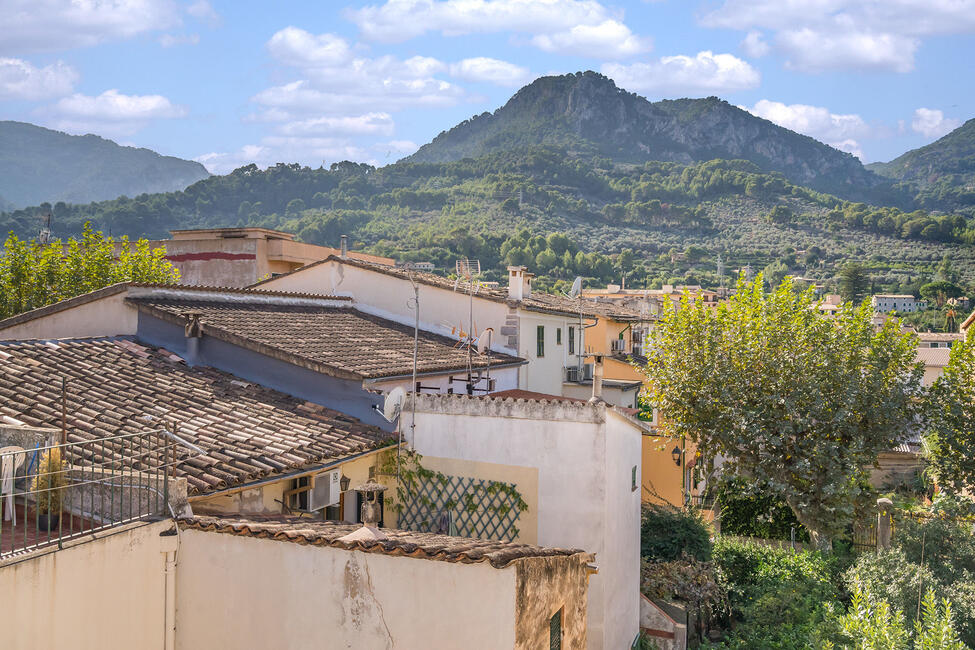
x=576, y=464
x=545, y=329
x=886, y=302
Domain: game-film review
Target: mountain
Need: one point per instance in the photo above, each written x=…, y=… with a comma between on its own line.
x=40, y=165
x=588, y=114
x=943, y=172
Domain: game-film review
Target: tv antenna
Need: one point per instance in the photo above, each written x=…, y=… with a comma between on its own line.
x=469, y=269
x=575, y=293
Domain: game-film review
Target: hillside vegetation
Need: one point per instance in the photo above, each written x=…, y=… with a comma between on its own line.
x=38, y=164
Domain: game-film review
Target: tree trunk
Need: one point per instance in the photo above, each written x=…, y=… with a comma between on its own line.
x=821, y=540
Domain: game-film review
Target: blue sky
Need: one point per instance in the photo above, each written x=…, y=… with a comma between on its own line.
x=229, y=83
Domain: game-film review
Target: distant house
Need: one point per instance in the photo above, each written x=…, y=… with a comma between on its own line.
x=906, y=303
x=238, y=257
x=418, y=266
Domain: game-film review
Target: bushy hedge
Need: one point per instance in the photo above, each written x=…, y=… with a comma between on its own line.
x=668, y=533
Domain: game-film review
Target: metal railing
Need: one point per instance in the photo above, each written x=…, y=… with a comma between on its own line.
x=58, y=492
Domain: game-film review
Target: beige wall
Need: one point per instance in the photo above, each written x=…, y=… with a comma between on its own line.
x=243, y=592
x=524, y=478
x=546, y=586
x=109, y=316
x=109, y=593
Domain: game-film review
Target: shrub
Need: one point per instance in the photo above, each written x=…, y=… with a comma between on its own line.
x=890, y=576
x=754, y=512
x=49, y=482
x=668, y=533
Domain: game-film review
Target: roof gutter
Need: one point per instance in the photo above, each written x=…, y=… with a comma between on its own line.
x=306, y=471
x=430, y=373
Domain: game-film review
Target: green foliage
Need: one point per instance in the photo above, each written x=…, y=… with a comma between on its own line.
x=950, y=439
x=751, y=510
x=38, y=164
x=778, y=598
x=668, y=533
x=853, y=282
x=890, y=576
x=800, y=403
x=33, y=275
x=50, y=482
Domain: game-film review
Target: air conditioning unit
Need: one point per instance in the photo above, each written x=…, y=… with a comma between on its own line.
x=326, y=490
x=587, y=372
x=617, y=345
x=572, y=374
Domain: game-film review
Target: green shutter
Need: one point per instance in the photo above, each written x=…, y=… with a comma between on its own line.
x=540, y=341
x=555, y=631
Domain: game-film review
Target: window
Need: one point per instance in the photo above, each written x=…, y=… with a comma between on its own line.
x=555, y=631
x=540, y=341
x=558, y=336
x=572, y=340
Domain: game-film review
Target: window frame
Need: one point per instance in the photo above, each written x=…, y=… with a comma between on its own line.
x=540, y=341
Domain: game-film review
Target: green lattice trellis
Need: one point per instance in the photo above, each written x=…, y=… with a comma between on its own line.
x=457, y=505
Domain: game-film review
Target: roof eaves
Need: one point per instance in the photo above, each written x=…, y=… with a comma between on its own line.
x=65, y=304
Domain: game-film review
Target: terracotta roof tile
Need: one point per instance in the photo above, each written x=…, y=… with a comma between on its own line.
x=344, y=339
x=427, y=546
x=113, y=381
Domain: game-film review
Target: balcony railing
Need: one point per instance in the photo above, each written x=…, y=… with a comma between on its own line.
x=54, y=493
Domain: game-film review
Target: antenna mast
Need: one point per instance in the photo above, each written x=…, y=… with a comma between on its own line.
x=468, y=269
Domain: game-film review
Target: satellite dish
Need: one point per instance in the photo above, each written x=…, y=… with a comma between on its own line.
x=394, y=404
x=484, y=340
x=576, y=287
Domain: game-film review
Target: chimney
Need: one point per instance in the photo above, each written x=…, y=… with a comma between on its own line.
x=519, y=283
x=193, y=330
x=597, y=379
x=344, y=246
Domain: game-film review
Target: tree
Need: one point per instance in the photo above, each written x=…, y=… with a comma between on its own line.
x=939, y=291
x=33, y=274
x=793, y=400
x=950, y=438
x=853, y=282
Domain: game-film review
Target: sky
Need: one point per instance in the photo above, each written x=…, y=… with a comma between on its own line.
x=233, y=83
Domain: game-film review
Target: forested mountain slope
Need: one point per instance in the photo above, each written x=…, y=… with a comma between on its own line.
x=38, y=165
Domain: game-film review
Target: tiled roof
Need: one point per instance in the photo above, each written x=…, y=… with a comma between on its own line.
x=343, y=340
x=248, y=431
x=121, y=287
x=428, y=546
x=934, y=357
x=540, y=302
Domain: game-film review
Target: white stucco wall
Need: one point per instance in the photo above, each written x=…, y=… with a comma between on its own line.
x=103, y=594
x=584, y=497
x=272, y=594
x=109, y=316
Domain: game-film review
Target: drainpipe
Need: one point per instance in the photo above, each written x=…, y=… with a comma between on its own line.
x=169, y=546
x=597, y=379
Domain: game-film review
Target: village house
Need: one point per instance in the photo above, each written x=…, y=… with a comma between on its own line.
x=576, y=465
x=319, y=348
x=905, y=303
x=238, y=257
x=551, y=332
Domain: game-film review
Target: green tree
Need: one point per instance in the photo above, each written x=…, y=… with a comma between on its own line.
x=854, y=282
x=939, y=291
x=799, y=402
x=33, y=274
x=950, y=439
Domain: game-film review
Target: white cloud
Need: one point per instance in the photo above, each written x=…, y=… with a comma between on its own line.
x=581, y=27
x=609, y=39
x=203, y=10
x=45, y=25
x=932, y=123
x=704, y=73
x=814, y=51
x=19, y=79
x=297, y=47
x=842, y=34
x=368, y=124
x=336, y=82
x=842, y=131
x=754, y=45
x=172, y=40
x=112, y=113
x=484, y=69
